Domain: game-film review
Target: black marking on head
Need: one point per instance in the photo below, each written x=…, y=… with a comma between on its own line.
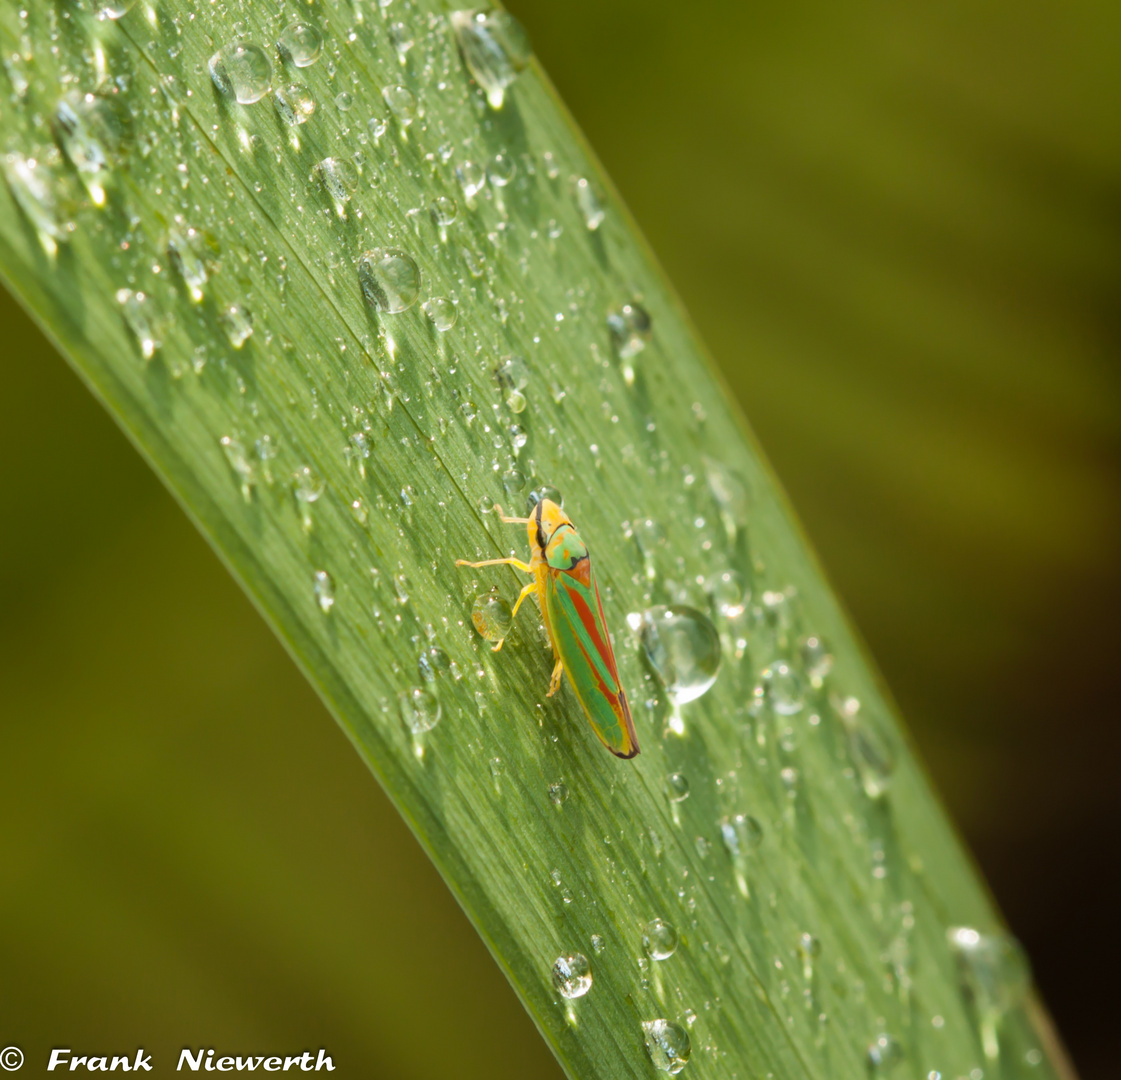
x=542, y=543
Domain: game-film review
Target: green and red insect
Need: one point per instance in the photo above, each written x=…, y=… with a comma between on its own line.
x=570, y=605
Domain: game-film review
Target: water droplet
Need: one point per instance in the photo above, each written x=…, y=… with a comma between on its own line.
x=729, y=593
x=558, y=792
x=114, y=9
x=490, y=615
x=590, y=207
x=546, y=491
x=433, y=662
x=324, y=591
x=184, y=247
x=730, y=493
x=884, y=1053
x=441, y=311
x=676, y=787
x=343, y=101
x=667, y=1044
x=659, y=939
x=340, y=179
x=741, y=834
x=495, y=48
x=683, y=648
x=86, y=128
x=390, y=280
x=809, y=948
x=33, y=187
x=237, y=321
x=630, y=329
x=572, y=975
x=376, y=127
x=307, y=488
x=240, y=463
x=994, y=977
x=402, y=103
x=402, y=40
x=780, y=688
x=294, y=103
x=241, y=71
x=873, y=760
x=472, y=178
x=420, y=709
x=501, y=170
x=300, y=44
x=139, y=314
x=513, y=480
x=816, y=659
x=444, y=211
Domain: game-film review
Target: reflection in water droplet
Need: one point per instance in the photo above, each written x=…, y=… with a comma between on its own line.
x=513, y=480
x=402, y=103
x=546, y=491
x=558, y=792
x=780, y=688
x=300, y=44
x=237, y=321
x=294, y=103
x=139, y=314
x=432, y=663
x=420, y=709
x=490, y=615
x=472, y=178
x=33, y=187
x=390, y=280
x=659, y=939
x=598, y=943
x=444, y=211
x=676, y=787
x=572, y=975
x=495, y=49
x=324, y=591
x=816, y=659
x=884, y=1053
x=441, y=311
x=994, y=977
x=242, y=71
x=683, y=648
x=630, y=329
x=667, y=1044
x=590, y=207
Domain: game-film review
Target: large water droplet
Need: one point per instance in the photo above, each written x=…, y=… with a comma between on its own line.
x=659, y=939
x=441, y=312
x=572, y=975
x=139, y=313
x=683, y=648
x=420, y=709
x=242, y=71
x=490, y=615
x=780, y=688
x=402, y=103
x=667, y=1044
x=390, y=280
x=546, y=491
x=994, y=977
x=495, y=49
x=300, y=44
x=295, y=103
x=324, y=591
x=433, y=662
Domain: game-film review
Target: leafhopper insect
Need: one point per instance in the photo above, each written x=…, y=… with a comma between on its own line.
x=570, y=605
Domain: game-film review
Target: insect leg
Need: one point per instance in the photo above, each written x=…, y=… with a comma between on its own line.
x=555, y=681
x=510, y=520
x=524, y=567
x=521, y=596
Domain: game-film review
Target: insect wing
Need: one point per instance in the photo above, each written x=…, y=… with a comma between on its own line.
x=574, y=616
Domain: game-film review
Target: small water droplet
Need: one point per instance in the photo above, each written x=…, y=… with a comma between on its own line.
x=683, y=647
x=390, y=280
x=501, y=170
x=294, y=103
x=343, y=101
x=114, y=9
x=472, y=178
x=630, y=329
x=490, y=615
x=884, y=1053
x=441, y=311
x=444, y=211
x=307, y=487
x=340, y=179
x=676, y=787
x=237, y=321
x=809, y=948
x=420, y=709
x=994, y=977
x=598, y=943
x=874, y=762
x=242, y=71
x=572, y=975
x=139, y=313
x=376, y=127
x=729, y=593
x=659, y=939
x=240, y=463
x=432, y=663
x=667, y=1044
x=546, y=491
x=730, y=493
x=588, y=202
x=513, y=480
x=402, y=40
x=324, y=591
x=300, y=44
x=816, y=659
x=184, y=252
x=780, y=688
x=558, y=792
x=33, y=186
x=402, y=103
x=495, y=48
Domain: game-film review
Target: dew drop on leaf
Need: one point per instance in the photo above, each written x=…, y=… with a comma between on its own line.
x=683, y=648
x=495, y=48
x=667, y=1044
x=390, y=280
x=242, y=71
x=659, y=939
x=572, y=975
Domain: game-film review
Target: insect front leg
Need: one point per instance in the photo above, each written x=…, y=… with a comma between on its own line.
x=521, y=596
x=524, y=567
x=509, y=520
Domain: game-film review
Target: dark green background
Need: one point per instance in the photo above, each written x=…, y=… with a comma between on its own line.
x=899, y=230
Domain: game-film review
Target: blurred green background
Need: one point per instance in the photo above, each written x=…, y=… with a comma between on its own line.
x=899, y=230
